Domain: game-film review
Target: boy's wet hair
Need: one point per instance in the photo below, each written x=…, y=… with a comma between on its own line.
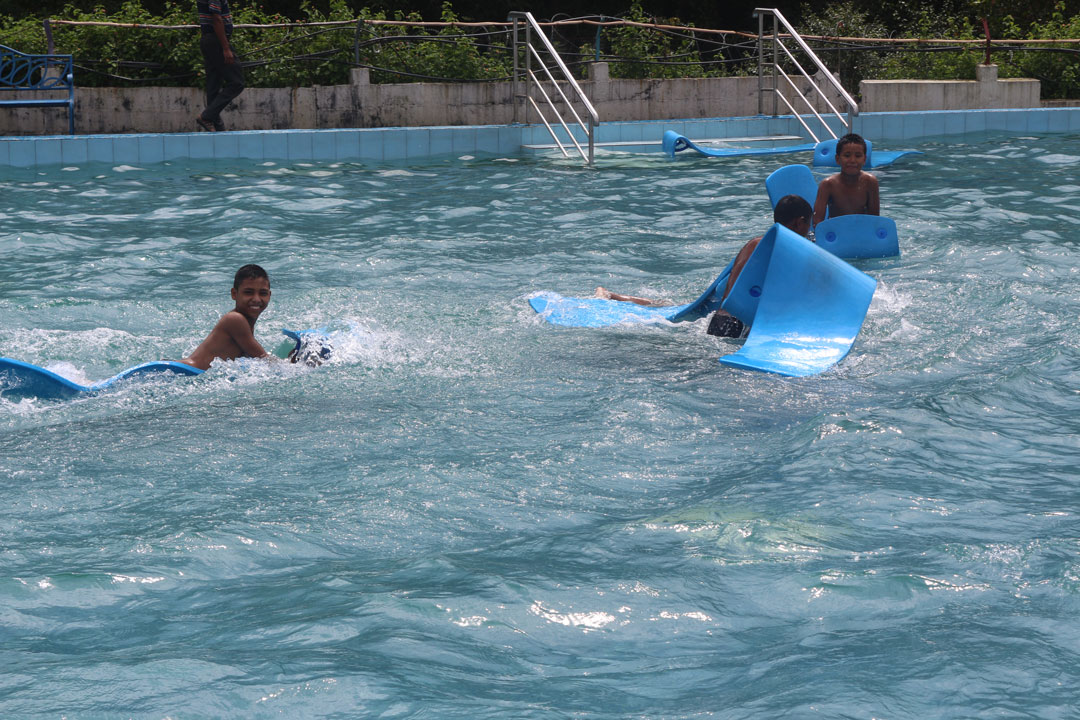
x=248, y=272
x=850, y=138
x=791, y=207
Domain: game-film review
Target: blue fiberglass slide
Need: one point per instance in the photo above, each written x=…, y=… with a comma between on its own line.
x=824, y=151
x=858, y=236
x=805, y=306
x=791, y=180
x=23, y=379
x=825, y=155
x=600, y=312
x=673, y=142
x=847, y=236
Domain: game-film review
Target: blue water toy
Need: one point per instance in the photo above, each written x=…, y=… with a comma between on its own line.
x=825, y=155
x=22, y=379
x=312, y=348
x=673, y=142
x=601, y=312
x=791, y=180
x=805, y=306
x=858, y=236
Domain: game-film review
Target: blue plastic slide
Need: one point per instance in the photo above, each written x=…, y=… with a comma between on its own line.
x=791, y=180
x=858, y=236
x=600, y=312
x=825, y=155
x=805, y=306
x=21, y=379
x=673, y=142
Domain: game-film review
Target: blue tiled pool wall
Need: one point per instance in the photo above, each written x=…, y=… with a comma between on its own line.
x=397, y=144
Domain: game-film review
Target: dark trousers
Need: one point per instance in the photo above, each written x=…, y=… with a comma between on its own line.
x=223, y=82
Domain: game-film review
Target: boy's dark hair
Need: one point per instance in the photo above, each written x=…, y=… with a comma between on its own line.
x=248, y=272
x=791, y=207
x=850, y=138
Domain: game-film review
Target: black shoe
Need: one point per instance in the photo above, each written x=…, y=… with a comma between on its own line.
x=724, y=325
x=204, y=124
x=219, y=126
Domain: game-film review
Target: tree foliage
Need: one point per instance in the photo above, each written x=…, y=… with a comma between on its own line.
x=294, y=55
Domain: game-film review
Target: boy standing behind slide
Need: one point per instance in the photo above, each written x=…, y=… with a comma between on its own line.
x=850, y=191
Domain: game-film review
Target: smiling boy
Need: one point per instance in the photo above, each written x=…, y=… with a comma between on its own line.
x=234, y=334
x=850, y=191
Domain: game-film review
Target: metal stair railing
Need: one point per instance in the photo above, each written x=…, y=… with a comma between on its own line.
x=778, y=46
x=534, y=86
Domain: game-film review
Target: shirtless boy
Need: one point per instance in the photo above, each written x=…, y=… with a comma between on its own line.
x=792, y=212
x=234, y=334
x=850, y=191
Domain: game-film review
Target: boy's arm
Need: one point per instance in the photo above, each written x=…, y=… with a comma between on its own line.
x=873, y=199
x=821, y=203
x=240, y=331
x=737, y=266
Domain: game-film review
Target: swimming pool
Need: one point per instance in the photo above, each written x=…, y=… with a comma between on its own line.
x=474, y=514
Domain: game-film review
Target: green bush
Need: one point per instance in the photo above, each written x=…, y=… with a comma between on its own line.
x=844, y=19
x=636, y=52
x=1058, y=71
x=1056, y=65
x=273, y=57
x=295, y=55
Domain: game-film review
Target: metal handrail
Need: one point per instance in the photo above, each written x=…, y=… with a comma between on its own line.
x=777, y=45
x=531, y=79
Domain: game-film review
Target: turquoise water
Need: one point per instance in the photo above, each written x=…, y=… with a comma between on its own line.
x=472, y=514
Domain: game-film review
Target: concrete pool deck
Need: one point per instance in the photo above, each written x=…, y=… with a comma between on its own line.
x=377, y=145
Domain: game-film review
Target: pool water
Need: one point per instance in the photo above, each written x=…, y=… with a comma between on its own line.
x=470, y=513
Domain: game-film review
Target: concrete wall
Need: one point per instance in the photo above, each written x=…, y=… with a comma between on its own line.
x=985, y=92
x=363, y=105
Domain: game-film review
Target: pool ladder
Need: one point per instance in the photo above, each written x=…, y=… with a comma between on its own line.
x=527, y=87
x=770, y=72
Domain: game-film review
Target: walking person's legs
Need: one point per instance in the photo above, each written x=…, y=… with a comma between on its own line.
x=224, y=81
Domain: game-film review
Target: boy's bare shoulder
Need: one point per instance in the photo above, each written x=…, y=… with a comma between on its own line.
x=233, y=323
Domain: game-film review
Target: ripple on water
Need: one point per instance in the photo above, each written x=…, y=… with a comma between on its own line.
x=468, y=512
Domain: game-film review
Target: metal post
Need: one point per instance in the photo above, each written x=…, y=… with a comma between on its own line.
x=775, y=65
x=760, y=64
x=514, y=88
x=592, y=134
x=51, y=49
x=356, y=41
x=528, y=67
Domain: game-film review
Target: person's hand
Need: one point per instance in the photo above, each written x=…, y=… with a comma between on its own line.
x=229, y=57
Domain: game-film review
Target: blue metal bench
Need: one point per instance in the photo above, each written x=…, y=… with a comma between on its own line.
x=20, y=72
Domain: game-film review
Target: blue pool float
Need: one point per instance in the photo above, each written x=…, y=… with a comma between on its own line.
x=601, y=312
x=824, y=152
x=791, y=180
x=23, y=379
x=858, y=236
x=805, y=306
x=825, y=155
x=673, y=142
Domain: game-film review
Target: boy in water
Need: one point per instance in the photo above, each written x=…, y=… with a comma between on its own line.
x=234, y=334
x=850, y=191
x=792, y=212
